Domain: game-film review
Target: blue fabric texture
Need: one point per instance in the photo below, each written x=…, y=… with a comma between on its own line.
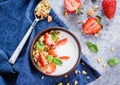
x=15, y=18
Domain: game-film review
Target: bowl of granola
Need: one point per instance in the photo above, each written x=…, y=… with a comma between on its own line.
x=55, y=51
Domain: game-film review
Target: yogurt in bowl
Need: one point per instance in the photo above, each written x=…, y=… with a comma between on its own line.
x=55, y=51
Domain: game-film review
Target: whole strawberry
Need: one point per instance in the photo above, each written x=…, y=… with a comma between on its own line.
x=109, y=8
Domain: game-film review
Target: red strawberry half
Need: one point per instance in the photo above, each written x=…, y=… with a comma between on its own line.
x=91, y=26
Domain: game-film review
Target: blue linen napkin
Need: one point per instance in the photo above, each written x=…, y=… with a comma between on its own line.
x=15, y=18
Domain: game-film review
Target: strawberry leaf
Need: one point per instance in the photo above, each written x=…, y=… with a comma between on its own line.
x=92, y=47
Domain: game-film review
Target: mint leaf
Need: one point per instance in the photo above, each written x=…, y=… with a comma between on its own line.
x=40, y=45
x=54, y=60
x=54, y=36
x=57, y=61
x=92, y=47
x=50, y=58
x=112, y=62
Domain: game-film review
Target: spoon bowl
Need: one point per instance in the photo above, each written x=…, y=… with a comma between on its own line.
x=42, y=10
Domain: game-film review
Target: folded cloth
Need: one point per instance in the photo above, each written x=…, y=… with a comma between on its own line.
x=15, y=18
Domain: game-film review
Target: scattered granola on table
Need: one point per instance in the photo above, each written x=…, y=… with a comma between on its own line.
x=83, y=63
x=100, y=78
x=42, y=77
x=68, y=84
x=66, y=76
x=90, y=12
x=95, y=8
x=65, y=13
x=104, y=65
x=49, y=18
x=99, y=60
x=77, y=71
x=60, y=83
x=84, y=72
x=75, y=82
x=88, y=77
x=112, y=49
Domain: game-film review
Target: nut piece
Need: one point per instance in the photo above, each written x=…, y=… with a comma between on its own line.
x=42, y=77
x=88, y=77
x=80, y=21
x=49, y=18
x=66, y=76
x=84, y=72
x=99, y=60
x=112, y=49
x=90, y=12
x=96, y=34
x=100, y=78
x=68, y=84
x=83, y=64
x=104, y=65
x=75, y=82
x=95, y=8
x=77, y=71
x=60, y=83
x=65, y=12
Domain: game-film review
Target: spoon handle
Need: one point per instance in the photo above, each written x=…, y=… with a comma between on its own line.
x=22, y=43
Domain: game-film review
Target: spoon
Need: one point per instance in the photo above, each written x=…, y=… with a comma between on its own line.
x=41, y=12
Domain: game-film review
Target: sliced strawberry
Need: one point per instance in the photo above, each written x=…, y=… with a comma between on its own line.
x=91, y=26
x=42, y=60
x=72, y=5
x=64, y=57
x=50, y=68
x=48, y=40
x=52, y=52
x=61, y=42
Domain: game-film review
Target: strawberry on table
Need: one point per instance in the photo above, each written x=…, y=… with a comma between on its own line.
x=48, y=39
x=91, y=26
x=72, y=5
x=42, y=60
x=50, y=68
x=109, y=8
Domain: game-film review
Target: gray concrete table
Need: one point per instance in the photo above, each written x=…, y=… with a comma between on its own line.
x=108, y=38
